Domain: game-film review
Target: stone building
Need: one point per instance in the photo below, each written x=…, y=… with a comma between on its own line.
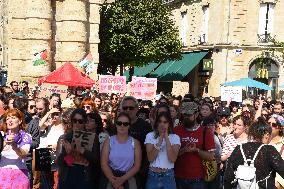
x=238, y=36
x=68, y=29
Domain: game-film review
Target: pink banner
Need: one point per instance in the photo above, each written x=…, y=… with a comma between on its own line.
x=143, y=88
x=112, y=84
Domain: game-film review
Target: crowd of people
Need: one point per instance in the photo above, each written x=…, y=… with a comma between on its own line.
x=172, y=142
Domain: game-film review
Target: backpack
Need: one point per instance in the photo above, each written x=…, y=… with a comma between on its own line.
x=245, y=174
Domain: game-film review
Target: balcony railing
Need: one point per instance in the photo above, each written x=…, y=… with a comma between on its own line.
x=202, y=39
x=265, y=38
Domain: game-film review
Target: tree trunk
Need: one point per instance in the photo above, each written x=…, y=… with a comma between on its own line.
x=121, y=69
x=131, y=73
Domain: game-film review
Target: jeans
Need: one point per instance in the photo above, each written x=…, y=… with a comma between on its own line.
x=165, y=180
x=30, y=172
x=190, y=184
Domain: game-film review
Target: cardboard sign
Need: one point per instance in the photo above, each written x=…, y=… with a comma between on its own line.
x=112, y=84
x=44, y=159
x=82, y=140
x=180, y=88
x=143, y=88
x=231, y=93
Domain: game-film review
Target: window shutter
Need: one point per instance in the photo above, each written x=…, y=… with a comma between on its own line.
x=205, y=22
x=183, y=28
x=262, y=18
x=270, y=24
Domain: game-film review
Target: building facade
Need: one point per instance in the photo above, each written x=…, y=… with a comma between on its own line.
x=238, y=35
x=68, y=29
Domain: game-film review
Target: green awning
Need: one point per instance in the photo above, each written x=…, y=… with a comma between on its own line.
x=142, y=71
x=177, y=70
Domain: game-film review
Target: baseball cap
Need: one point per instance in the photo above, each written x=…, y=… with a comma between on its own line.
x=189, y=108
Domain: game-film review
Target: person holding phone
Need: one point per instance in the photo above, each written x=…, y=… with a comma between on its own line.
x=162, y=150
x=13, y=169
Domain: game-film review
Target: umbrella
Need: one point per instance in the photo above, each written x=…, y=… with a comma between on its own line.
x=247, y=82
x=67, y=75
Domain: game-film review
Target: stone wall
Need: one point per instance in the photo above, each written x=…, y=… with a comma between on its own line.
x=68, y=29
x=228, y=32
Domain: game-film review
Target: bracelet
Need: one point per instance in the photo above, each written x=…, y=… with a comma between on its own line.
x=157, y=147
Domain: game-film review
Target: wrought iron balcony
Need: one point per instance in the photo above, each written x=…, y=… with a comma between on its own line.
x=265, y=38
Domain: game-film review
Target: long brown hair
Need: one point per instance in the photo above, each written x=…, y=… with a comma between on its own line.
x=168, y=117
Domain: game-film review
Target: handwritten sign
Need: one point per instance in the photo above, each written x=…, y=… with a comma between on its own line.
x=82, y=140
x=112, y=84
x=44, y=159
x=143, y=88
x=231, y=93
x=180, y=88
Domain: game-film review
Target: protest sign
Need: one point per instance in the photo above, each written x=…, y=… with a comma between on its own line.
x=82, y=140
x=180, y=88
x=112, y=84
x=231, y=93
x=143, y=88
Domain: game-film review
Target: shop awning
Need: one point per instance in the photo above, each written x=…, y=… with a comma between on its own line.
x=177, y=70
x=142, y=71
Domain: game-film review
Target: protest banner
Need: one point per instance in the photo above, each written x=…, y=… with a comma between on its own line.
x=180, y=88
x=231, y=93
x=112, y=84
x=82, y=140
x=143, y=88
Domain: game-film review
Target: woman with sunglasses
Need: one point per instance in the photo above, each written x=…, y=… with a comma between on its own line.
x=121, y=157
x=88, y=105
x=74, y=175
x=276, y=122
x=13, y=169
x=162, y=150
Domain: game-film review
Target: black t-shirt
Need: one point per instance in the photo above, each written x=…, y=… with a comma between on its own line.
x=139, y=130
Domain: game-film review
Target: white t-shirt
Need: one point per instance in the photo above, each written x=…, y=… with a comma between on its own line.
x=52, y=136
x=10, y=159
x=162, y=160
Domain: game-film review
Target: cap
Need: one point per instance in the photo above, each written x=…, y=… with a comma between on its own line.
x=189, y=108
x=223, y=111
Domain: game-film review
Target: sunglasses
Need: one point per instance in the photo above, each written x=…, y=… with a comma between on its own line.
x=128, y=108
x=88, y=107
x=32, y=106
x=80, y=121
x=274, y=125
x=104, y=120
x=120, y=123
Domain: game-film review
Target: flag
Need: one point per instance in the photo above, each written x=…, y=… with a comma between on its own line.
x=87, y=61
x=90, y=68
x=40, y=58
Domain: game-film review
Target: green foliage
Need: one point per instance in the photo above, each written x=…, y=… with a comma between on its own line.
x=135, y=32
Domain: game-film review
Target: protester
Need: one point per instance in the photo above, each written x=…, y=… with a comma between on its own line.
x=240, y=129
x=55, y=101
x=98, y=102
x=276, y=123
x=73, y=174
x=175, y=115
x=88, y=105
x=193, y=149
x=13, y=170
x=266, y=159
x=162, y=150
x=138, y=130
x=121, y=157
x=108, y=128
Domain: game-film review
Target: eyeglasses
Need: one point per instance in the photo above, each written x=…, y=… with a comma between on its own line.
x=120, y=123
x=128, y=108
x=32, y=106
x=88, y=107
x=274, y=125
x=80, y=121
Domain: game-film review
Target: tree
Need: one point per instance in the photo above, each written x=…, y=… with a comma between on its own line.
x=136, y=32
